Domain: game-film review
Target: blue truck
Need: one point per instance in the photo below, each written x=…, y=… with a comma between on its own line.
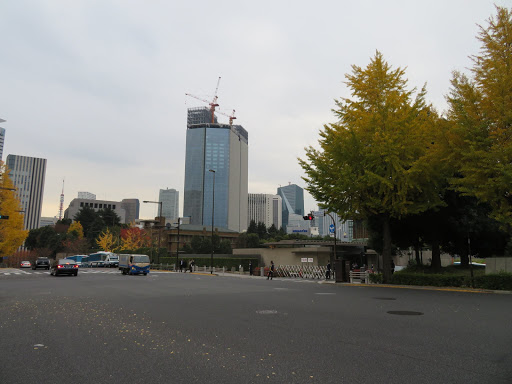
x=134, y=264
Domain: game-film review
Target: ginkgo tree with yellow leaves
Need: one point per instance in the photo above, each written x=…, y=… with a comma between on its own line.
x=480, y=106
x=12, y=234
x=374, y=162
x=107, y=241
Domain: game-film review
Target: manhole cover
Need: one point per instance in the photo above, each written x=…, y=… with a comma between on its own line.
x=405, y=313
x=384, y=298
x=267, y=312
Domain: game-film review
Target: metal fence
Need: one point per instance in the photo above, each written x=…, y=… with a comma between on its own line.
x=301, y=271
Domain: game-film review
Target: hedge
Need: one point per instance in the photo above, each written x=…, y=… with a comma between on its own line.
x=218, y=262
x=501, y=281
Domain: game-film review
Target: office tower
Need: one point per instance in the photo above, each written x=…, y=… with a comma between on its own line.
x=132, y=209
x=2, y=139
x=224, y=149
x=293, y=201
x=170, y=199
x=326, y=225
x=86, y=195
x=265, y=209
x=27, y=174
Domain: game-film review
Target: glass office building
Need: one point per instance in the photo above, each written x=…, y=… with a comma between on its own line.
x=224, y=149
x=293, y=201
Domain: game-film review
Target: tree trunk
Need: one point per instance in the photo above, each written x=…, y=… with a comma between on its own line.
x=436, y=253
x=463, y=253
x=386, y=249
x=417, y=252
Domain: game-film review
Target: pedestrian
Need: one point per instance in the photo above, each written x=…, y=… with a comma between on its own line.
x=182, y=265
x=328, y=271
x=191, y=265
x=271, y=271
x=250, y=268
x=392, y=266
x=372, y=269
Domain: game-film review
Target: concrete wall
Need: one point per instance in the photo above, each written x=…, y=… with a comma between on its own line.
x=498, y=264
x=288, y=256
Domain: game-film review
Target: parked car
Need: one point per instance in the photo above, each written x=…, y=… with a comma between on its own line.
x=41, y=262
x=64, y=267
x=25, y=264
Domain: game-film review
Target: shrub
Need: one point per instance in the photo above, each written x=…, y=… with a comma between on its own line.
x=499, y=281
x=376, y=278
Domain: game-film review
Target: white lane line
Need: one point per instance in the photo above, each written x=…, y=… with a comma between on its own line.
x=325, y=293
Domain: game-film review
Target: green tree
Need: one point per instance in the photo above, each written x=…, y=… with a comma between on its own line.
x=481, y=108
x=225, y=247
x=262, y=231
x=253, y=240
x=272, y=231
x=92, y=223
x=253, y=227
x=373, y=162
x=109, y=217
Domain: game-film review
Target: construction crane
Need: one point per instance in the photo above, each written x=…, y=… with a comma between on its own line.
x=231, y=117
x=212, y=103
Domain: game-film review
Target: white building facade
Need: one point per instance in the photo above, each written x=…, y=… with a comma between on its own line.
x=170, y=199
x=265, y=208
x=77, y=204
x=28, y=175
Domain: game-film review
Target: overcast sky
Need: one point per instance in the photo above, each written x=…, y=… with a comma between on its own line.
x=98, y=87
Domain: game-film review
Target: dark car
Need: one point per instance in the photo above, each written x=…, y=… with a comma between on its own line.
x=41, y=262
x=64, y=267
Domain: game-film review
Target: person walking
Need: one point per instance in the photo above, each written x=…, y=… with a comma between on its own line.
x=328, y=271
x=250, y=268
x=271, y=271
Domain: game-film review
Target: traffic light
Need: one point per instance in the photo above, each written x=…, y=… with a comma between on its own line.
x=3, y=217
x=308, y=217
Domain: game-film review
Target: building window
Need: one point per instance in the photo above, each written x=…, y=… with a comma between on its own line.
x=101, y=206
x=114, y=206
x=95, y=205
x=110, y=205
x=81, y=203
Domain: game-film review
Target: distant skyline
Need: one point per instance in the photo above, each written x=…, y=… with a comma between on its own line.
x=98, y=88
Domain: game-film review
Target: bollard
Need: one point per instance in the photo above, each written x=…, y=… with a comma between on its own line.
x=223, y=270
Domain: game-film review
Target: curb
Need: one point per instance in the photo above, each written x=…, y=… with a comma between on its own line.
x=422, y=287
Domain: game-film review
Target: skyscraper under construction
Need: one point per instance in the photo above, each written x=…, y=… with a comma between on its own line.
x=215, y=152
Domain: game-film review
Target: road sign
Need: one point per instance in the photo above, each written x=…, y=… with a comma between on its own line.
x=331, y=228
x=303, y=259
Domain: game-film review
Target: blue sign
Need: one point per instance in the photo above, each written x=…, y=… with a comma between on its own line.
x=331, y=228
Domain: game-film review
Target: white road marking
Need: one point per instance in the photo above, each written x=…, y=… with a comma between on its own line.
x=325, y=293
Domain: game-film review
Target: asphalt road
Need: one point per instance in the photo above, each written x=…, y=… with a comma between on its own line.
x=103, y=327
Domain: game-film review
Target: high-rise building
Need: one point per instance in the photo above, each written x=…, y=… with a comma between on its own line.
x=2, y=139
x=326, y=226
x=293, y=201
x=86, y=195
x=132, y=209
x=265, y=209
x=170, y=199
x=28, y=174
x=223, y=149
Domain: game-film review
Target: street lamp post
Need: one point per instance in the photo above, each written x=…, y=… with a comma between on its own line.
x=213, y=212
x=159, y=229
x=334, y=249
x=178, y=244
